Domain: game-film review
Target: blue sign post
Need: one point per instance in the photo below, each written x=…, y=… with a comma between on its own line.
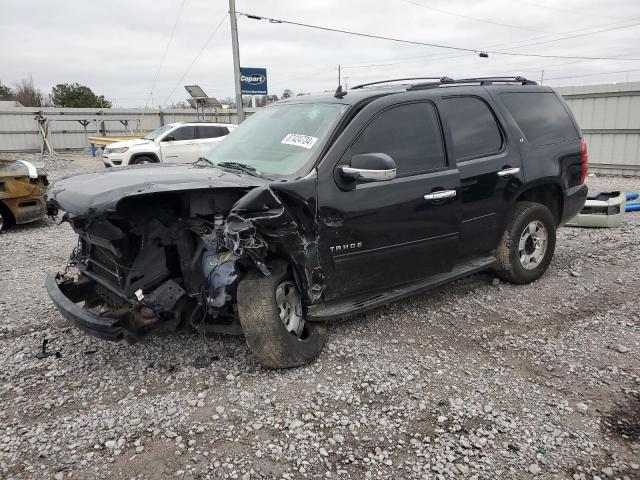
x=253, y=81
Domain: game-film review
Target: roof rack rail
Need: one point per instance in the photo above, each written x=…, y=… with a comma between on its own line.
x=439, y=79
x=479, y=80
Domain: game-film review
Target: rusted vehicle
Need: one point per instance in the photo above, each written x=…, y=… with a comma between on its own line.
x=23, y=188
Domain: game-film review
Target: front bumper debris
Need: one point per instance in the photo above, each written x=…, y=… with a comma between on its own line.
x=67, y=294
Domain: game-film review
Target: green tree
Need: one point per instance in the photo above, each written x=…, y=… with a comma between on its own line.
x=287, y=93
x=75, y=95
x=6, y=93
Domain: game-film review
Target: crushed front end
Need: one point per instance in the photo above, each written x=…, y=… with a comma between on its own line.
x=168, y=254
x=159, y=263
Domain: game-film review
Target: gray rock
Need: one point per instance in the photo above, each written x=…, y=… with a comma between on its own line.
x=534, y=469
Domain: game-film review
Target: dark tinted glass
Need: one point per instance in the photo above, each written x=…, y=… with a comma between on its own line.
x=184, y=133
x=410, y=134
x=541, y=117
x=473, y=127
x=211, y=131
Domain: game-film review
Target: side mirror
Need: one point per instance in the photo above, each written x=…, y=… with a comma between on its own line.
x=370, y=167
x=169, y=138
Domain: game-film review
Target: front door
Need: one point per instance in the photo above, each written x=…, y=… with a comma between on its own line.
x=179, y=146
x=374, y=236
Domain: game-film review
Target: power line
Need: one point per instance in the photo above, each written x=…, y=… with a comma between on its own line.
x=583, y=34
x=166, y=48
x=582, y=11
x=468, y=17
x=594, y=74
x=440, y=57
x=347, y=32
x=195, y=59
x=426, y=44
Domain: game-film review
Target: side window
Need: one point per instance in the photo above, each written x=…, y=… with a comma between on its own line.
x=473, y=127
x=410, y=134
x=184, y=133
x=541, y=117
x=211, y=131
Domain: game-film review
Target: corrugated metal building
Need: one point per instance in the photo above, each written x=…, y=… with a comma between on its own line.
x=609, y=116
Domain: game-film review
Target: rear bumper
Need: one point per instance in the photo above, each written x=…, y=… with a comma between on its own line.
x=66, y=295
x=573, y=202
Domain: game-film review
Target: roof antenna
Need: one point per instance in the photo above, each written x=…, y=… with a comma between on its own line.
x=339, y=92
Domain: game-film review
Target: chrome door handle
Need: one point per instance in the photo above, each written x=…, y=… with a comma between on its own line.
x=508, y=171
x=440, y=194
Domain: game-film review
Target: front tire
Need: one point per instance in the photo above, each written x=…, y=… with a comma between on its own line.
x=527, y=244
x=272, y=320
x=142, y=160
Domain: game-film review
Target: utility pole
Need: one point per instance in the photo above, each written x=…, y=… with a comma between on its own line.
x=542, y=77
x=236, y=59
x=339, y=82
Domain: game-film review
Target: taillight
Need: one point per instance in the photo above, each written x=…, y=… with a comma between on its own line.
x=585, y=160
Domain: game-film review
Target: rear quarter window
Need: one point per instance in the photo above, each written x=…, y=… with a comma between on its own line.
x=211, y=131
x=474, y=130
x=541, y=117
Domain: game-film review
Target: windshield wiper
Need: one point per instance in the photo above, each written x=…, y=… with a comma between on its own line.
x=243, y=167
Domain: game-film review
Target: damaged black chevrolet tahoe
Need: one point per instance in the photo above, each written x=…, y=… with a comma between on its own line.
x=323, y=206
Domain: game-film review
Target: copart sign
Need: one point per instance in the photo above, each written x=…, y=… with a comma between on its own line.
x=253, y=81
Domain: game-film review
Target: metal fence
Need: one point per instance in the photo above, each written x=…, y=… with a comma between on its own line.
x=608, y=114
x=68, y=128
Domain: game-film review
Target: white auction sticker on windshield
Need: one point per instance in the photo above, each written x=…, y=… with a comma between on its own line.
x=299, y=140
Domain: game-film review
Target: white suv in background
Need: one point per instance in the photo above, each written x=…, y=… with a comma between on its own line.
x=182, y=142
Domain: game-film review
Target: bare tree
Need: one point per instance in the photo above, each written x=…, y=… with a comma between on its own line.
x=28, y=94
x=179, y=104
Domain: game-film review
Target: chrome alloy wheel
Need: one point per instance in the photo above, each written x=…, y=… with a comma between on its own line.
x=289, y=306
x=533, y=245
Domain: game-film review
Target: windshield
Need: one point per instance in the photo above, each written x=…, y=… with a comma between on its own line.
x=281, y=140
x=157, y=132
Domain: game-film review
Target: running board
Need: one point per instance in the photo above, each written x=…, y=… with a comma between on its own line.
x=341, y=309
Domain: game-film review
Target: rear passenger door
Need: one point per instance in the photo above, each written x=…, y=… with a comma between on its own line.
x=209, y=136
x=489, y=165
x=179, y=146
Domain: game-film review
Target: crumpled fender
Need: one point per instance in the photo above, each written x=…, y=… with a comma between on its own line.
x=273, y=217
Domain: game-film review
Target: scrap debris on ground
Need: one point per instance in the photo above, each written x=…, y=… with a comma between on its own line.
x=478, y=379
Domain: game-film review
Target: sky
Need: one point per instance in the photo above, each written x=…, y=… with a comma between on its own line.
x=143, y=52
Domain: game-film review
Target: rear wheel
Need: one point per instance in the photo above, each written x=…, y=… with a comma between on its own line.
x=528, y=243
x=272, y=319
x=1, y=222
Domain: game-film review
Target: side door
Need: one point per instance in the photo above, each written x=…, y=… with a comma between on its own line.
x=377, y=235
x=179, y=145
x=489, y=165
x=209, y=136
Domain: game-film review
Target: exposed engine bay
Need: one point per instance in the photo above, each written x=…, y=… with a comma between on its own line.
x=154, y=259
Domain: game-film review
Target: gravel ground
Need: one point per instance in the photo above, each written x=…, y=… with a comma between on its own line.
x=477, y=379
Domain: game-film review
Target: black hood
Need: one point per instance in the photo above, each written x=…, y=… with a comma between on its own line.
x=95, y=192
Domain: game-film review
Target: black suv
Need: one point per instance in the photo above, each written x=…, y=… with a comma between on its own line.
x=323, y=206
